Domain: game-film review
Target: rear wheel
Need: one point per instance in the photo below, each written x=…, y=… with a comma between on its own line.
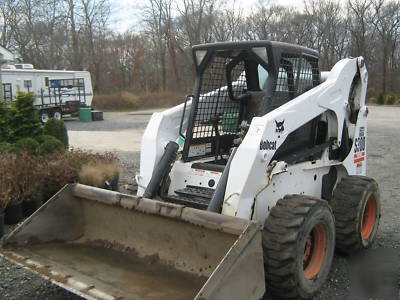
x=298, y=242
x=357, y=209
x=56, y=114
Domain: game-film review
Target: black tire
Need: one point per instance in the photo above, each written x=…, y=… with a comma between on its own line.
x=44, y=115
x=357, y=209
x=298, y=223
x=56, y=114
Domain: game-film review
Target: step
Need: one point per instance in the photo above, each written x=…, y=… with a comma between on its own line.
x=194, y=191
x=192, y=196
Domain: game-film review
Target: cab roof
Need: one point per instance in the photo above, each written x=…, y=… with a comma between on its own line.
x=273, y=45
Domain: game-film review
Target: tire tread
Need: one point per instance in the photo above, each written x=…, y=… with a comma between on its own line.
x=281, y=230
x=346, y=203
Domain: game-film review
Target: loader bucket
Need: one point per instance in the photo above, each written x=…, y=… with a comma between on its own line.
x=105, y=245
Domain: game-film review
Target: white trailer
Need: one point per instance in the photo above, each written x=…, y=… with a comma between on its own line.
x=58, y=92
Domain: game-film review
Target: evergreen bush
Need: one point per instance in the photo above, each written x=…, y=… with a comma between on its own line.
x=29, y=145
x=391, y=98
x=43, y=138
x=381, y=99
x=4, y=122
x=57, y=129
x=6, y=147
x=24, y=119
x=50, y=146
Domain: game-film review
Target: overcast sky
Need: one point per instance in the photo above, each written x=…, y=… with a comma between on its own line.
x=126, y=13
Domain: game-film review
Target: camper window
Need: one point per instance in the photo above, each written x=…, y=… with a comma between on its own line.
x=28, y=84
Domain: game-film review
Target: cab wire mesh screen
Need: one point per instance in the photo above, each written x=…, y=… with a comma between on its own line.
x=296, y=75
x=216, y=117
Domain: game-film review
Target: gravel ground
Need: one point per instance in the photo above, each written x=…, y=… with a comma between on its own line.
x=118, y=132
x=383, y=165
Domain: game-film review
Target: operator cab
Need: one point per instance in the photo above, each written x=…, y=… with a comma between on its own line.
x=237, y=81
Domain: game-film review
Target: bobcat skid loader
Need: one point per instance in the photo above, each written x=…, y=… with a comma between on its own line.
x=247, y=186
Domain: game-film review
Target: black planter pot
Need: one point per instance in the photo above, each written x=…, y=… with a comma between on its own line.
x=29, y=207
x=1, y=225
x=112, y=184
x=13, y=213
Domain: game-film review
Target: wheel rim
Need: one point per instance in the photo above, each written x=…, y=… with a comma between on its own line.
x=57, y=115
x=369, y=218
x=314, y=251
x=44, y=117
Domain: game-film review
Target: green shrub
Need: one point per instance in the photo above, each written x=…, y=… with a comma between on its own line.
x=27, y=145
x=6, y=147
x=57, y=129
x=381, y=99
x=50, y=146
x=24, y=119
x=43, y=138
x=391, y=98
x=372, y=100
x=4, y=122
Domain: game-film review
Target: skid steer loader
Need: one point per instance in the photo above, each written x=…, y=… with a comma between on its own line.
x=247, y=186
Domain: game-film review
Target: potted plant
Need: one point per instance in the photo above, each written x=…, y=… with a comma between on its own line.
x=11, y=169
x=30, y=183
x=3, y=204
x=31, y=203
x=5, y=192
x=13, y=212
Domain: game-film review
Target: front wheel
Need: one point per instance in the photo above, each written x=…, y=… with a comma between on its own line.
x=299, y=243
x=44, y=116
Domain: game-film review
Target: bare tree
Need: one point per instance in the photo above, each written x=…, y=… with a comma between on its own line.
x=360, y=20
x=76, y=34
x=9, y=16
x=387, y=25
x=228, y=24
x=328, y=28
x=95, y=15
x=70, y=13
x=158, y=24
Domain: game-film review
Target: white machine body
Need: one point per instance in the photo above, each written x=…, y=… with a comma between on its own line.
x=255, y=182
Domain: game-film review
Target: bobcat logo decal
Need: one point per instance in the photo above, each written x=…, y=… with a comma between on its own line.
x=279, y=126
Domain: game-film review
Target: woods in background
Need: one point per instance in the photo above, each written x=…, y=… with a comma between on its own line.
x=156, y=56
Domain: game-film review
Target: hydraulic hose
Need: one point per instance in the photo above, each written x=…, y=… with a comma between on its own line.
x=162, y=170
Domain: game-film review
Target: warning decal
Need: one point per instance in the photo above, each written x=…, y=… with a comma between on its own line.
x=199, y=149
x=359, y=146
x=359, y=157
